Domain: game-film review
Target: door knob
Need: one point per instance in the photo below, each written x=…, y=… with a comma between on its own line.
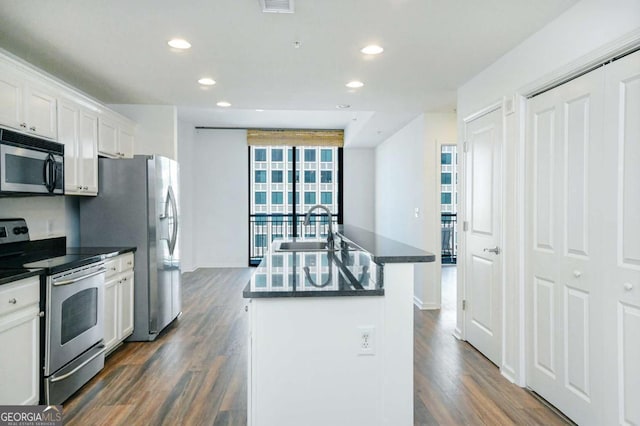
x=577, y=273
x=628, y=286
x=495, y=250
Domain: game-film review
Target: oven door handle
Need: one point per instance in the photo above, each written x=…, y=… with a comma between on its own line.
x=71, y=281
x=103, y=348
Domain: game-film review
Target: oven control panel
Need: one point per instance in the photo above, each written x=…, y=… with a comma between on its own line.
x=13, y=230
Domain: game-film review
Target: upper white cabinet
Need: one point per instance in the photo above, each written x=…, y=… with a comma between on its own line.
x=115, y=137
x=34, y=103
x=78, y=131
x=27, y=105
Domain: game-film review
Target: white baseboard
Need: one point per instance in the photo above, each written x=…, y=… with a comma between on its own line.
x=424, y=306
x=508, y=374
x=457, y=333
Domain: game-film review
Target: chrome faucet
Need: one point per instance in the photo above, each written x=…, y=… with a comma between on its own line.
x=307, y=221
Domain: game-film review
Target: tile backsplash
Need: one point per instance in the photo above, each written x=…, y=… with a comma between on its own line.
x=46, y=216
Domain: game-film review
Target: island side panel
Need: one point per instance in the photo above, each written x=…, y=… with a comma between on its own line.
x=304, y=362
x=398, y=345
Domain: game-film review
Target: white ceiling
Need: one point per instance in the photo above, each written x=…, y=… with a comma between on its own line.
x=116, y=51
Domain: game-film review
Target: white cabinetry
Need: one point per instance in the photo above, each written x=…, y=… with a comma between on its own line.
x=78, y=131
x=118, y=309
x=26, y=104
x=116, y=136
x=20, y=342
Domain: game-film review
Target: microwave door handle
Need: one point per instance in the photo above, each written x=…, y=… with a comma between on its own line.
x=54, y=173
x=46, y=173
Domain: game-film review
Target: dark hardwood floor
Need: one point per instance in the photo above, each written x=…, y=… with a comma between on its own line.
x=195, y=372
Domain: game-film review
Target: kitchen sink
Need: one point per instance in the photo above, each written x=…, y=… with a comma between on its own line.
x=302, y=246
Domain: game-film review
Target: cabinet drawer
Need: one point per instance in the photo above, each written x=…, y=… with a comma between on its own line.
x=112, y=266
x=19, y=294
x=126, y=262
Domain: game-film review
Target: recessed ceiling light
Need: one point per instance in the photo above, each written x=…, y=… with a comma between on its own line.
x=372, y=49
x=343, y=106
x=223, y=104
x=178, y=43
x=354, y=84
x=206, y=81
x=259, y=110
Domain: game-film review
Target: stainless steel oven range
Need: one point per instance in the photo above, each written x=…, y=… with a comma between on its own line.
x=74, y=351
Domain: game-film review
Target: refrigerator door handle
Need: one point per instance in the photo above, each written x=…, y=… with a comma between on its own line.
x=174, y=232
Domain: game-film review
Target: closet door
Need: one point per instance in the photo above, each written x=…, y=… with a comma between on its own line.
x=564, y=283
x=621, y=258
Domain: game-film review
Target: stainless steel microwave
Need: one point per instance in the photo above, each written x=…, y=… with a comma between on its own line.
x=30, y=165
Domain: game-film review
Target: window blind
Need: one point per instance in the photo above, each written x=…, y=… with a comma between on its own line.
x=269, y=137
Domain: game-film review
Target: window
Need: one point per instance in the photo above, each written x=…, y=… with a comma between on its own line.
x=276, y=198
x=445, y=198
x=276, y=210
x=261, y=240
x=309, y=197
x=445, y=178
x=326, y=176
x=277, y=261
x=445, y=158
x=261, y=154
x=290, y=198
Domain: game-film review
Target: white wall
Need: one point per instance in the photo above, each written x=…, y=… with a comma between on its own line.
x=406, y=178
x=562, y=45
x=221, y=204
x=156, y=129
x=186, y=153
x=46, y=217
x=358, y=186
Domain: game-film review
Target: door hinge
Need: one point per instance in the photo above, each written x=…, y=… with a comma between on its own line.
x=465, y=226
x=465, y=146
x=464, y=305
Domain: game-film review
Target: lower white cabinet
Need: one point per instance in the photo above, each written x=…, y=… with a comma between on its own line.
x=118, y=300
x=20, y=342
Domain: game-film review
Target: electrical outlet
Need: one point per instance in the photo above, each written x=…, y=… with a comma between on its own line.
x=366, y=340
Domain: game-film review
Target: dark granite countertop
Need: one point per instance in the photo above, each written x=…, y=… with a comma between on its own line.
x=384, y=250
x=10, y=275
x=348, y=272
x=51, y=256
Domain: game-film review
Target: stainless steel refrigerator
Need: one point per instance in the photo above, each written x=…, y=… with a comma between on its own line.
x=138, y=205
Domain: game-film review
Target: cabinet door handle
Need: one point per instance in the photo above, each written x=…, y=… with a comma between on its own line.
x=23, y=125
x=628, y=286
x=13, y=301
x=86, y=188
x=32, y=128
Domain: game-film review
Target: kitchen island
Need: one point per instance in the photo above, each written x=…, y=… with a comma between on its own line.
x=331, y=333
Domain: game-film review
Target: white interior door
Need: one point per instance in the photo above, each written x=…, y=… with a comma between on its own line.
x=564, y=292
x=621, y=240
x=483, y=259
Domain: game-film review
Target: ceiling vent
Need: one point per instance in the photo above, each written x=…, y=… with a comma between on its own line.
x=277, y=6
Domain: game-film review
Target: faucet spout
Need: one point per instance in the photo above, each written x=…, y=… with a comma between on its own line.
x=307, y=221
